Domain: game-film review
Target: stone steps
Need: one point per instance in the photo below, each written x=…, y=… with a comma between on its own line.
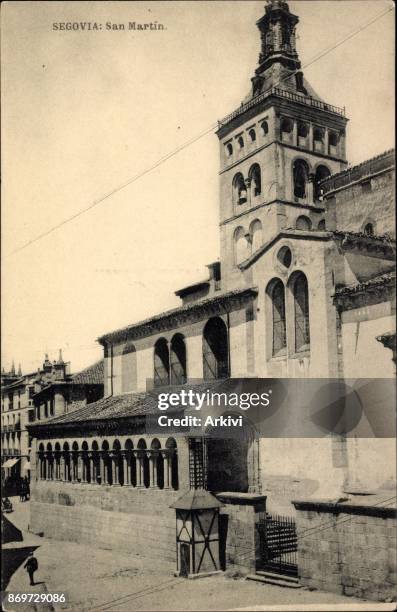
x=277, y=579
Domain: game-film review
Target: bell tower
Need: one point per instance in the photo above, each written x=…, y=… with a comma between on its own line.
x=275, y=149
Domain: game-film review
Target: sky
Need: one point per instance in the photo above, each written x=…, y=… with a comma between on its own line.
x=85, y=111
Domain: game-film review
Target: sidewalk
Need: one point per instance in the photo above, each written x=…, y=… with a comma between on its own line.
x=97, y=579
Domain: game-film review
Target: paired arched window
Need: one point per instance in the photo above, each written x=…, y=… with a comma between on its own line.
x=178, y=360
x=128, y=368
x=301, y=313
x=239, y=189
x=322, y=172
x=301, y=177
x=170, y=365
x=215, y=350
x=255, y=179
x=297, y=309
x=278, y=316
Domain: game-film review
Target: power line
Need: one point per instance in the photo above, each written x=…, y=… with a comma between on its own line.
x=185, y=145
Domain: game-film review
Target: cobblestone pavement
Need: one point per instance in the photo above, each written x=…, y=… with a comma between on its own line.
x=97, y=579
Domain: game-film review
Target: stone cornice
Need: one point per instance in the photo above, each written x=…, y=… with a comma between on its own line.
x=307, y=207
x=375, y=290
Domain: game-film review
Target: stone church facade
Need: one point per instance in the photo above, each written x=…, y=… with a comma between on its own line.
x=304, y=288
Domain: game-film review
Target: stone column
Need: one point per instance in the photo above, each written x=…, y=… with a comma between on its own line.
x=127, y=468
x=295, y=133
x=167, y=454
x=139, y=456
x=62, y=468
x=326, y=141
x=310, y=189
x=248, y=182
x=115, y=469
x=102, y=467
x=310, y=137
x=79, y=463
x=152, y=455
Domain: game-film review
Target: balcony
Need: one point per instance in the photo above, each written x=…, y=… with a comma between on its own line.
x=288, y=95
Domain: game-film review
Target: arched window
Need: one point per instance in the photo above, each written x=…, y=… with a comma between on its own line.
x=240, y=142
x=215, y=350
x=178, y=360
x=303, y=223
x=333, y=140
x=66, y=457
x=301, y=177
x=161, y=363
x=239, y=189
x=318, y=139
x=287, y=126
x=240, y=245
x=172, y=477
x=369, y=229
x=265, y=128
x=278, y=312
x=256, y=235
x=255, y=178
x=321, y=225
x=158, y=464
x=301, y=306
x=322, y=172
x=229, y=149
x=302, y=133
x=128, y=368
x=252, y=135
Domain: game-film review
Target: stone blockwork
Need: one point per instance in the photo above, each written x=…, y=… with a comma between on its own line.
x=347, y=549
x=138, y=521
x=238, y=529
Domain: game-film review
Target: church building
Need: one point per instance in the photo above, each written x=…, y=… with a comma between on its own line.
x=303, y=289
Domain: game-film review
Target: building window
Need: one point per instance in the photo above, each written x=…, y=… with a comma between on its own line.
x=215, y=350
x=287, y=126
x=369, y=229
x=265, y=128
x=255, y=180
x=302, y=134
x=256, y=235
x=239, y=189
x=240, y=246
x=128, y=368
x=229, y=149
x=303, y=223
x=161, y=363
x=240, y=142
x=318, y=139
x=301, y=305
x=321, y=225
x=252, y=135
x=301, y=177
x=279, y=324
x=178, y=360
x=284, y=256
x=333, y=140
x=322, y=172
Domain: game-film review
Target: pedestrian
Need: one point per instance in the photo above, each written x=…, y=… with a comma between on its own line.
x=31, y=566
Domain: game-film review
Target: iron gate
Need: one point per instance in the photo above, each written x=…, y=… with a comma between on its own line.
x=278, y=544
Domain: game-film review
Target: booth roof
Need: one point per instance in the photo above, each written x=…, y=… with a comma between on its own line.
x=196, y=499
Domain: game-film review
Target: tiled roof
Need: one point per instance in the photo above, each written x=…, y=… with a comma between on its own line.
x=123, y=406
x=93, y=375
x=361, y=236
x=149, y=325
x=374, y=283
x=379, y=163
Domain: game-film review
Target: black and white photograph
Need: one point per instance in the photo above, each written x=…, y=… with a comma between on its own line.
x=198, y=313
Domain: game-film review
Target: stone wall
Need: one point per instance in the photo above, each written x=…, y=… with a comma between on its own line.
x=138, y=521
x=347, y=549
x=239, y=536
